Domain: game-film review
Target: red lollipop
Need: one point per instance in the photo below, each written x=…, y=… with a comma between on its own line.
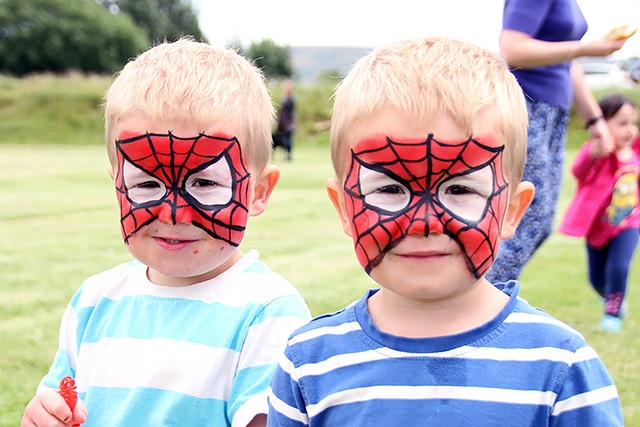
x=67, y=390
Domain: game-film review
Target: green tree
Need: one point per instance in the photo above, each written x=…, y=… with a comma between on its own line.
x=59, y=35
x=274, y=60
x=160, y=19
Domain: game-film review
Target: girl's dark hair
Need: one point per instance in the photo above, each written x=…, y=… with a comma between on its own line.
x=610, y=104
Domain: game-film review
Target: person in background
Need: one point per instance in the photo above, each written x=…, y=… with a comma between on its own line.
x=188, y=333
x=428, y=142
x=604, y=208
x=540, y=40
x=287, y=119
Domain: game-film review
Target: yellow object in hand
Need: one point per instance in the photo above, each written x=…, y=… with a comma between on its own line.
x=621, y=32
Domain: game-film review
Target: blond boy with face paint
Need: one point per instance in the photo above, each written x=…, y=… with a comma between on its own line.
x=428, y=142
x=189, y=333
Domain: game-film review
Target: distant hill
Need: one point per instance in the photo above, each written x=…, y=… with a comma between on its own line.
x=309, y=62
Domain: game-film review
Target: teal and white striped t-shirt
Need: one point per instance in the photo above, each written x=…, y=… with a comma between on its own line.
x=148, y=355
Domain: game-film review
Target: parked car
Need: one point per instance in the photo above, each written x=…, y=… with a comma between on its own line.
x=601, y=73
x=632, y=66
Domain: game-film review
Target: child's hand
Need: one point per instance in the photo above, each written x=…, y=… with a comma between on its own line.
x=601, y=140
x=48, y=408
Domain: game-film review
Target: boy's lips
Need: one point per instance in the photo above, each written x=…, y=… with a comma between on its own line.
x=173, y=243
x=422, y=248
x=423, y=254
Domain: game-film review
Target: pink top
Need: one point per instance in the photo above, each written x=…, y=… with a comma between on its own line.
x=606, y=199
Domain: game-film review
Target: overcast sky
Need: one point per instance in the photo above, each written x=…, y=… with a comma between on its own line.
x=372, y=23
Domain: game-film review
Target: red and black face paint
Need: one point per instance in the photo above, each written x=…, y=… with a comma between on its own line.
x=395, y=188
x=201, y=180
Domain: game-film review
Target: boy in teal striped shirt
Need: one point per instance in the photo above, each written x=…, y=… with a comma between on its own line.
x=190, y=331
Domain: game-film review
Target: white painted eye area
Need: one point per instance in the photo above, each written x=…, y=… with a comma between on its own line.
x=142, y=187
x=380, y=191
x=212, y=185
x=467, y=196
x=209, y=186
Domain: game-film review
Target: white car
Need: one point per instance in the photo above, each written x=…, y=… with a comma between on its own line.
x=632, y=66
x=602, y=73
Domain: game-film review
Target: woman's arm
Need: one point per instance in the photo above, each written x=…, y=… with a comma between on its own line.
x=521, y=50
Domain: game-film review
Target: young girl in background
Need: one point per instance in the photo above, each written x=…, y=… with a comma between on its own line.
x=604, y=208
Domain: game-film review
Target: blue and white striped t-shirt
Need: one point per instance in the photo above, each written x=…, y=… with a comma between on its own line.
x=523, y=368
x=148, y=355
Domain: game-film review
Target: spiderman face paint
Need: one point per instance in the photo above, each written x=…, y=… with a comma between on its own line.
x=397, y=188
x=200, y=180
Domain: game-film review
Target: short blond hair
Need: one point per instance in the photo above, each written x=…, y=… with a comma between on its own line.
x=425, y=78
x=194, y=82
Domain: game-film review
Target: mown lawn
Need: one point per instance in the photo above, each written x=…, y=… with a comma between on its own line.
x=59, y=224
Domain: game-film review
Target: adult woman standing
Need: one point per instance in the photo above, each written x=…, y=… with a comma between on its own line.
x=539, y=40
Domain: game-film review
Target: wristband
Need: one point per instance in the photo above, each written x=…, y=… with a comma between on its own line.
x=592, y=121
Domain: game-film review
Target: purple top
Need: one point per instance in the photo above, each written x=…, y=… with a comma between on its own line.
x=549, y=20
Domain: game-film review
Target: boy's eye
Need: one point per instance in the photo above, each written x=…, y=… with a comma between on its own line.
x=147, y=185
x=391, y=189
x=213, y=185
x=467, y=196
x=380, y=191
x=459, y=190
x=142, y=187
x=204, y=183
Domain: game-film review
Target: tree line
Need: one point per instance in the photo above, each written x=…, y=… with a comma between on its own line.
x=100, y=36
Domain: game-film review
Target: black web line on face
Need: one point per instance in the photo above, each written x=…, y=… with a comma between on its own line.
x=424, y=195
x=176, y=188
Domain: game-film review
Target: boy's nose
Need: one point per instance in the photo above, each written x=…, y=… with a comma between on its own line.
x=425, y=222
x=165, y=212
x=175, y=210
x=435, y=224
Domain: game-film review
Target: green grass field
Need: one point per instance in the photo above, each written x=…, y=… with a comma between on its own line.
x=59, y=223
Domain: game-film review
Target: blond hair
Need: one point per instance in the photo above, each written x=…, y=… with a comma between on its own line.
x=426, y=78
x=194, y=83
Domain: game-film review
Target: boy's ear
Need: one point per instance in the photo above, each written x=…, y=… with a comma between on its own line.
x=334, y=190
x=263, y=188
x=518, y=203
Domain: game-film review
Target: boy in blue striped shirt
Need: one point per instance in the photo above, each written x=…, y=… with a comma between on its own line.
x=189, y=333
x=428, y=141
